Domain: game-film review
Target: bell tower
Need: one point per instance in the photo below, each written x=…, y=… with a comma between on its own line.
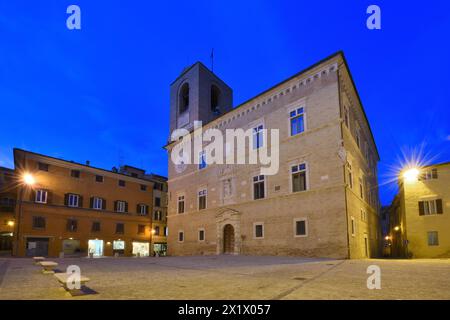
x=198, y=95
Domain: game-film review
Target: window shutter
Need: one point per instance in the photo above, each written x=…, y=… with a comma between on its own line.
x=146, y=209
x=115, y=205
x=421, y=208
x=104, y=204
x=66, y=199
x=137, y=209
x=439, y=206
x=126, y=206
x=91, y=203
x=49, y=197
x=434, y=174
x=33, y=196
x=80, y=202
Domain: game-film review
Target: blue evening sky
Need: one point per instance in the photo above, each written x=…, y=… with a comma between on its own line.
x=102, y=93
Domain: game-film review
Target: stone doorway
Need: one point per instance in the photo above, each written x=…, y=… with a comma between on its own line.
x=228, y=239
x=228, y=231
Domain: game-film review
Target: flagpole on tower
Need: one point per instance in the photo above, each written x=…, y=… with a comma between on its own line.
x=212, y=60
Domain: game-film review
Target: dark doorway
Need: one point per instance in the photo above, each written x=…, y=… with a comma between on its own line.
x=228, y=239
x=37, y=247
x=5, y=243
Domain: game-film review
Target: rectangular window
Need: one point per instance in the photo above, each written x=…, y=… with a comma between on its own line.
x=158, y=186
x=98, y=178
x=363, y=215
x=180, y=236
x=181, y=204
x=72, y=225
x=297, y=121
x=120, y=228
x=361, y=188
x=346, y=117
x=258, y=137
x=258, y=187
x=300, y=228
x=166, y=231
x=201, y=235
x=258, y=230
x=142, y=209
x=121, y=206
x=134, y=175
x=433, y=238
x=202, y=160
x=95, y=226
x=143, y=187
x=121, y=183
x=42, y=166
x=430, y=207
x=38, y=223
x=157, y=215
x=97, y=203
x=73, y=200
x=429, y=174
x=41, y=196
x=157, y=202
x=349, y=175
x=202, y=199
x=156, y=230
x=75, y=173
x=298, y=173
x=141, y=229
x=353, y=226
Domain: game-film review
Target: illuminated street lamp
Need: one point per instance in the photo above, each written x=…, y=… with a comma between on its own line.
x=396, y=228
x=10, y=223
x=411, y=175
x=28, y=179
x=386, y=238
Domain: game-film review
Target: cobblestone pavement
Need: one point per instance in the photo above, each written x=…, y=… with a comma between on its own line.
x=230, y=277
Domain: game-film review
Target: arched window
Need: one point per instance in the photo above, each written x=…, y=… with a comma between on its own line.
x=215, y=97
x=184, y=98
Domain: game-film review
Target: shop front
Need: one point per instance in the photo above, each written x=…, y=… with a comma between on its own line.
x=160, y=249
x=141, y=249
x=95, y=248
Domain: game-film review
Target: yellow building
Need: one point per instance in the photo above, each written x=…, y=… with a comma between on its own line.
x=420, y=213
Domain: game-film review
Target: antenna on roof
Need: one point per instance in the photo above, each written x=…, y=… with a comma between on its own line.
x=212, y=60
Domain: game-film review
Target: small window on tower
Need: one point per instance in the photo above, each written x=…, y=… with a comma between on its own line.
x=215, y=95
x=184, y=98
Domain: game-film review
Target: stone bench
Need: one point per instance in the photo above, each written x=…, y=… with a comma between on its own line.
x=48, y=266
x=64, y=277
x=37, y=260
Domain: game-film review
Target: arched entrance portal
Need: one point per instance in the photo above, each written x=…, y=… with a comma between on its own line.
x=228, y=239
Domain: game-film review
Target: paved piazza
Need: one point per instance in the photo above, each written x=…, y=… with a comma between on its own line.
x=230, y=277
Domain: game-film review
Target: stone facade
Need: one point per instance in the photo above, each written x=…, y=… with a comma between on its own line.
x=331, y=218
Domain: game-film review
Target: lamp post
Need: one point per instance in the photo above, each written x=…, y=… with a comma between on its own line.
x=27, y=181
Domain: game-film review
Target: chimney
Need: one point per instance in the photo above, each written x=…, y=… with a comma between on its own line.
x=88, y=163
